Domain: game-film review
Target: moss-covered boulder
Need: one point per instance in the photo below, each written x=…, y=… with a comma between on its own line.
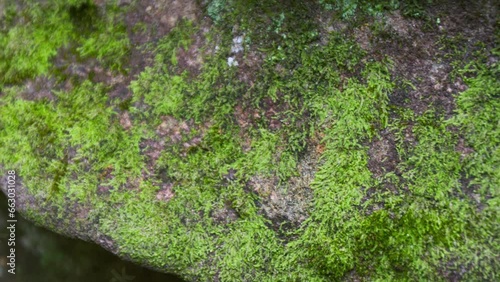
x=233, y=140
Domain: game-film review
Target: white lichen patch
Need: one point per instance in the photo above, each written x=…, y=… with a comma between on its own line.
x=237, y=45
x=231, y=61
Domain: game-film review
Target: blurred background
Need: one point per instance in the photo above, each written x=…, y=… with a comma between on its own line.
x=44, y=256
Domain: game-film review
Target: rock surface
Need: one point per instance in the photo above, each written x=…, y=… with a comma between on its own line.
x=268, y=142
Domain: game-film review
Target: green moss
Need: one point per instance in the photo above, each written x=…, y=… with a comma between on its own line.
x=74, y=145
x=107, y=40
x=29, y=47
x=40, y=29
x=330, y=238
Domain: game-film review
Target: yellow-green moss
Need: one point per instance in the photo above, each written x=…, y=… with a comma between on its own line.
x=68, y=148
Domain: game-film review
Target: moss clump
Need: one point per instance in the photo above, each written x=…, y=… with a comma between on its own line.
x=33, y=32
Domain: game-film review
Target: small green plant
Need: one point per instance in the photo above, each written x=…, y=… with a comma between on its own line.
x=216, y=9
x=349, y=8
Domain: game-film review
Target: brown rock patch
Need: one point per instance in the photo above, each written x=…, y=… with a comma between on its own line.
x=166, y=192
x=382, y=153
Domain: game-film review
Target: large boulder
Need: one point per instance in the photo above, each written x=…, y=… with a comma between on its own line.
x=244, y=141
